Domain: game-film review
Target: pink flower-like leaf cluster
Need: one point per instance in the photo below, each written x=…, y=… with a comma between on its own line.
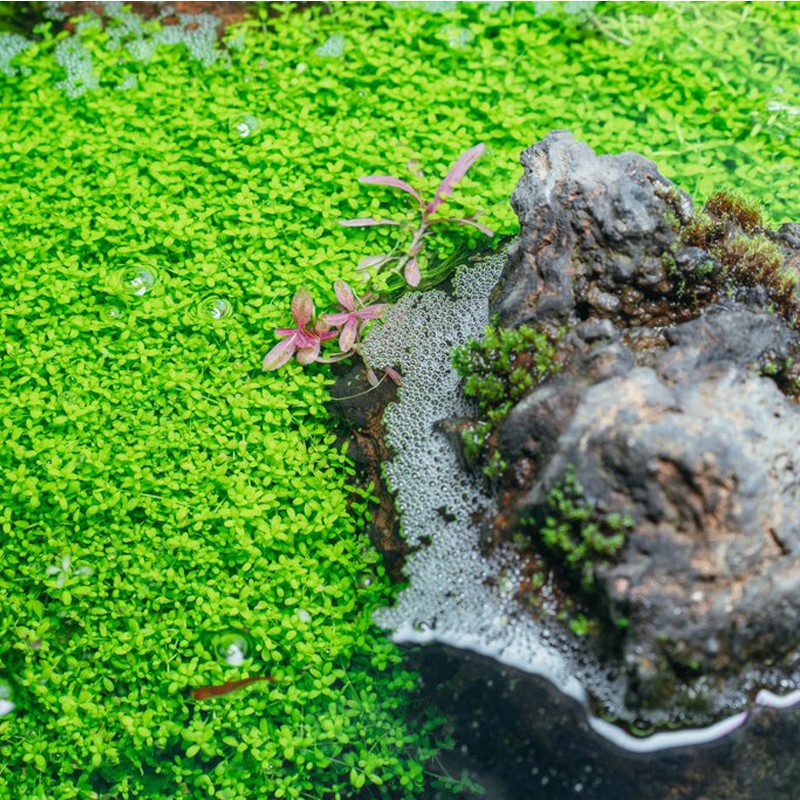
x=304, y=341
x=351, y=319
x=408, y=263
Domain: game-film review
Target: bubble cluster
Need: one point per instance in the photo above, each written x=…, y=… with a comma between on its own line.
x=333, y=47
x=79, y=65
x=125, y=29
x=457, y=37
x=128, y=82
x=455, y=595
x=197, y=32
x=11, y=45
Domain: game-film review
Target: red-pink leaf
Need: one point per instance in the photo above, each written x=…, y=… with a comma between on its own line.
x=390, y=180
x=363, y=222
x=371, y=312
x=279, y=354
x=482, y=228
x=305, y=355
x=372, y=261
x=344, y=294
x=334, y=320
x=393, y=375
x=321, y=331
x=302, y=307
x=456, y=173
x=412, y=273
x=347, y=338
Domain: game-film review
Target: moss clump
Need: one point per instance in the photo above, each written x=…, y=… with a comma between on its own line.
x=730, y=228
x=729, y=206
x=499, y=370
x=577, y=533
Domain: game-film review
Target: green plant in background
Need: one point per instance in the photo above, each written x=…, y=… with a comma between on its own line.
x=158, y=486
x=20, y=18
x=498, y=371
x=577, y=533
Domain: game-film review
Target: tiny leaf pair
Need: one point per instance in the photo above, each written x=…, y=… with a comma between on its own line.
x=408, y=263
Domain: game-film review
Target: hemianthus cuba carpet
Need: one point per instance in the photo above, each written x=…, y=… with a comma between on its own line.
x=174, y=520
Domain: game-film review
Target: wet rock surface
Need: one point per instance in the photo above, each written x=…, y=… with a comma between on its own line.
x=676, y=410
x=664, y=413
x=521, y=738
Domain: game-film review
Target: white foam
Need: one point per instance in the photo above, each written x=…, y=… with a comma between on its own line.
x=455, y=596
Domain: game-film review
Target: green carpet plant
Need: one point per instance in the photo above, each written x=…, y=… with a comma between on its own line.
x=172, y=517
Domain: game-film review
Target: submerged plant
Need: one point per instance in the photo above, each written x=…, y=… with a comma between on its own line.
x=578, y=533
x=408, y=262
x=305, y=340
x=498, y=371
x=731, y=229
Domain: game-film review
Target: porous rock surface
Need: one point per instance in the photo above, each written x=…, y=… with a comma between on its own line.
x=664, y=412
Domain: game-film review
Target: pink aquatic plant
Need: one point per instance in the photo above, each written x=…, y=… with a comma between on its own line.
x=347, y=324
x=301, y=341
x=408, y=263
x=353, y=316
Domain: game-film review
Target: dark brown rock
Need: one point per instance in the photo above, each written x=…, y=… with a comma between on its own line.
x=666, y=416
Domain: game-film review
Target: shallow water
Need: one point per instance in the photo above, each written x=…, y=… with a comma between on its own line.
x=172, y=517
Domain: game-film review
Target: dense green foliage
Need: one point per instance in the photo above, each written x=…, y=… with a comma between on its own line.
x=498, y=370
x=159, y=489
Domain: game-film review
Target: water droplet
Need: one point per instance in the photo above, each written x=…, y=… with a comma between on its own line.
x=232, y=646
x=243, y=126
x=214, y=308
x=7, y=695
x=133, y=281
x=112, y=311
x=68, y=399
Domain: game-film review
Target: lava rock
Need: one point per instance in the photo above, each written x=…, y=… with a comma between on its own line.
x=665, y=414
x=597, y=237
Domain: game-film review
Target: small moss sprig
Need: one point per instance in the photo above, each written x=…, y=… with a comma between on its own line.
x=498, y=371
x=408, y=262
x=731, y=228
x=578, y=533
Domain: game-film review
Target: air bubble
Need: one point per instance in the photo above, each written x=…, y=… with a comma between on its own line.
x=232, y=646
x=7, y=695
x=333, y=47
x=112, y=311
x=133, y=281
x=243, y=126
x=214, y=309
